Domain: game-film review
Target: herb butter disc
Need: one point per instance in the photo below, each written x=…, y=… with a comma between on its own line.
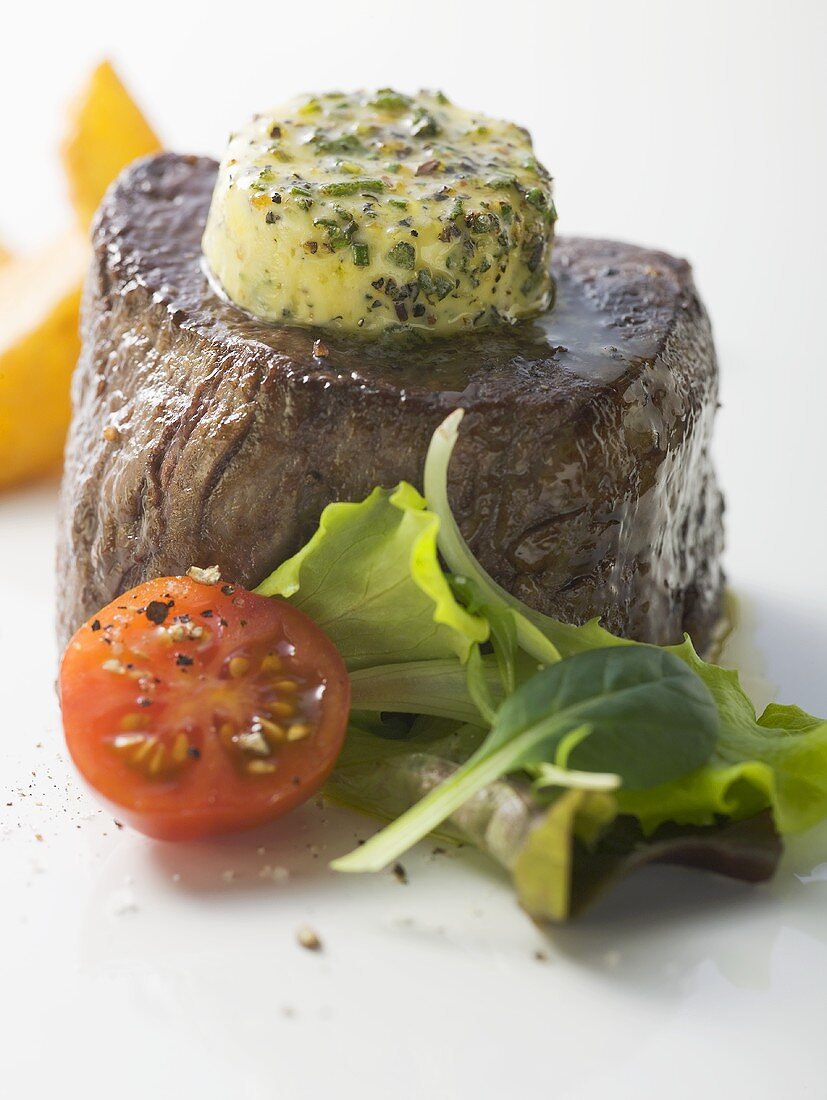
x=378, y=212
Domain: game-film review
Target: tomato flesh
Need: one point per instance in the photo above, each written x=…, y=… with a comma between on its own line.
x=197, y=709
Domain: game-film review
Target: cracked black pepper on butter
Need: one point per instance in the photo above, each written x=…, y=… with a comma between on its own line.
x=376, y=211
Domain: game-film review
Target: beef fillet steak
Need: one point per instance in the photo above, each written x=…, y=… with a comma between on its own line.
x=582, y=478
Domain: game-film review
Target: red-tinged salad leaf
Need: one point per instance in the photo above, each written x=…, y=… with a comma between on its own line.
x=578, y=850
x=747, y=850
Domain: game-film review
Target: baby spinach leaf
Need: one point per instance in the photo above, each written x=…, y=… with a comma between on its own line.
x=650, y=716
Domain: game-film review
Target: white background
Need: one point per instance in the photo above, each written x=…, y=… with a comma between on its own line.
x=699, y=128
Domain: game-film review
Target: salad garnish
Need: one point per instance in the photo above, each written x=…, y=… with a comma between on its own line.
x=526, y=706
x=567, y=754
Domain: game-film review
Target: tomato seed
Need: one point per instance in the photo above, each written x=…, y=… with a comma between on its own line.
x=282, y=708
x=271, y=730
x=261, y=767
x=226, y=733
x=180, y=748
x=238, y=667
x=298, y=731
x=286, y=685
x=144, y=749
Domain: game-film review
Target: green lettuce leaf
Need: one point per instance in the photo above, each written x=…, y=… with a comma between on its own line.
x=438, y=687
x=371, y=579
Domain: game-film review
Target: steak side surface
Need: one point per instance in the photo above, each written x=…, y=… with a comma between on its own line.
x=582, y=478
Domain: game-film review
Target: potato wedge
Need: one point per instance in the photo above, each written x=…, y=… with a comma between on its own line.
x=39, y=345
x=40, y=293
x=106, y=132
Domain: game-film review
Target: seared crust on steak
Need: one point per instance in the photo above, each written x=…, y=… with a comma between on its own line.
x=582, y=478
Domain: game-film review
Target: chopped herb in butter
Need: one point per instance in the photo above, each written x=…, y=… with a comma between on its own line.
x=394, y=212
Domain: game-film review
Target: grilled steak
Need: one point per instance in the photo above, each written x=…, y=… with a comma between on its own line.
x=582, y=478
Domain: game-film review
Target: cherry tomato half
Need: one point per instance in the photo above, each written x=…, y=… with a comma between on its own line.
x=198, y=709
